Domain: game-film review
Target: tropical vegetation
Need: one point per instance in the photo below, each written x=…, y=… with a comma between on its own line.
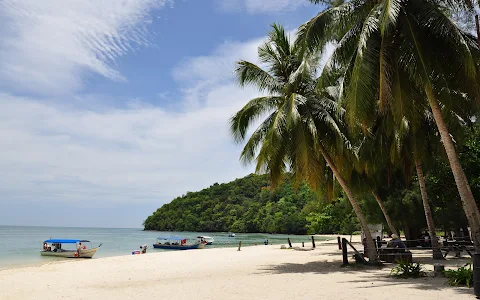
x=250, y=204
x=389, y=123
x=462, y=276
x=402, y=74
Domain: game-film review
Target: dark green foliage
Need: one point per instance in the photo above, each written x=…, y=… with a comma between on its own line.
x=461, y=276
x=335, y=217
x=447, y=206
x=243, y=205
x=249, y=205
x=408, y=270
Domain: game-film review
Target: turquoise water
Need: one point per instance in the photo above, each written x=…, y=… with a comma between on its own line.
x=19, y=245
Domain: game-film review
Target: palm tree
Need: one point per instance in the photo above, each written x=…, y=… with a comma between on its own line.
x=378, y=41
x=300, y=131
x=421, y=143
x=394, y=143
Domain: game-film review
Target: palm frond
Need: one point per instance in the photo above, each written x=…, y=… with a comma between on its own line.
x=251, y=74
x=389, y=15
x=249, y=151
x=254, y=109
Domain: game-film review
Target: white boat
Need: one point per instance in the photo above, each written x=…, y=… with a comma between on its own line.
x=207, y=240
x=231, y=234
x=82, y=248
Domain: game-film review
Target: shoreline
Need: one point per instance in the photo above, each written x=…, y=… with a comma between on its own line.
x=57, y=260
x=34, y=259
x=255, y=272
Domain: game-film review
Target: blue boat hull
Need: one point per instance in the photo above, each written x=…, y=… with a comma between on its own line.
x=176, y=247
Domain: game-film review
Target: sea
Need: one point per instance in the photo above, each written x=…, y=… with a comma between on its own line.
x=20, y=245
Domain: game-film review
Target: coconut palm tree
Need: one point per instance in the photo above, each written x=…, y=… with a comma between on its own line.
x=300, y=130
x=377, y=42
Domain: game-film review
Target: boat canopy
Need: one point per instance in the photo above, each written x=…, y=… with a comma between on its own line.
x=204, y=236
x=61, y=241
x=172, y=238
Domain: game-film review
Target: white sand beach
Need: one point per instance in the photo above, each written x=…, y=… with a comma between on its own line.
x=256, y=272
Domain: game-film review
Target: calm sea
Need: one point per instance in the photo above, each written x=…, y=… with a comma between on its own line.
x=19, y=245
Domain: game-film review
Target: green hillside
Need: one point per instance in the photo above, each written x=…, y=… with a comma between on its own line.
x=248, y=205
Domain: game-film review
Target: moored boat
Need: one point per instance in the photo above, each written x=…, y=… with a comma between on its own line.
x=82, y=248
x=207, y=240
x=175, y=243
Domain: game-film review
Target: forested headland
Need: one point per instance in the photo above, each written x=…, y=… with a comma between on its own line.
x=249, y=204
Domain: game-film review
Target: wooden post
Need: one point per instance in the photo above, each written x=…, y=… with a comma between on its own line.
x=313, y=242
x=344, y=252
x=289, y=243
x=438, y=270
x=239, y=245
x=303, y=244
x=339, y=243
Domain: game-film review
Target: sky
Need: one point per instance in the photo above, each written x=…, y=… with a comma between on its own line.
x=109, y=109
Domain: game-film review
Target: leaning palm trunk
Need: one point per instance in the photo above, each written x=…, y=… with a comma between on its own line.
x=385, y=213
x=468, y=202
x=371, y=251
x=437, y=253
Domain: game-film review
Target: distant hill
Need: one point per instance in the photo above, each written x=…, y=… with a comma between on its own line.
x=243, y=205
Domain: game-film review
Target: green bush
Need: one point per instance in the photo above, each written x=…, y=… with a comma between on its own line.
x=408, y=270
x=461, y=276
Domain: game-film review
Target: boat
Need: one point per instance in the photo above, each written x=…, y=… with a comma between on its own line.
x=175, y=243
x=205, y=239
x=231, y=234
x=81, y=249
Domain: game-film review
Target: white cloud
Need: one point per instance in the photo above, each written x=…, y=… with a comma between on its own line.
x=140, y=153
x=63, y=148
x=46, y=45
x=220, y=64
x=119, y=155
x=261, y=6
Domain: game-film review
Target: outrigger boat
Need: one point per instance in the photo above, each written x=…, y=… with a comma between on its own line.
x=53, y=247
x=175, y=243
x=202, y=239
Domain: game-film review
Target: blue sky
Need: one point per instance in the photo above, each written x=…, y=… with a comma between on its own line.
x=109, y=109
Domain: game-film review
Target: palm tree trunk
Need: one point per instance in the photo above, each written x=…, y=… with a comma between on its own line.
x=385, y=213
x=477, y=25
x=371, y=251
x=437, y=253
x=468, y=202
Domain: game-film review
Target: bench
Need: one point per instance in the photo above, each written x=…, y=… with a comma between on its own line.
x=392, y=255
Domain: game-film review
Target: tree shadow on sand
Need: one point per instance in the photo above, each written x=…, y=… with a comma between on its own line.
x=366, y=274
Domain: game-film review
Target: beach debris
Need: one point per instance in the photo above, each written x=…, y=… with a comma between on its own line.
x=303, y=249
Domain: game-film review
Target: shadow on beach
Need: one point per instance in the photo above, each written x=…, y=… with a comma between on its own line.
x=377, y=275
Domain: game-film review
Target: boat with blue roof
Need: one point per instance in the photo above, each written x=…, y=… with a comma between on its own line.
x=175, y=243
x=68, y=248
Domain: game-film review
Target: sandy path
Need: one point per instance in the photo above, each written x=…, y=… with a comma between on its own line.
x=258, y=272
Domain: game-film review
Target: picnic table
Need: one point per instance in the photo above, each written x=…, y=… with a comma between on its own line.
x=457, y=247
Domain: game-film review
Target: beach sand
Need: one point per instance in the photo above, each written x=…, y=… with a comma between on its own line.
x=255, y=272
